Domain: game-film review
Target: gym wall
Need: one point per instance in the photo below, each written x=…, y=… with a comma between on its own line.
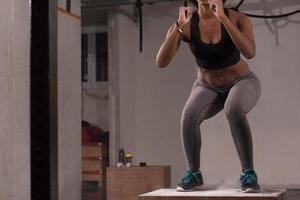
x=69, y=100
x=14, y=100
x=151, y=99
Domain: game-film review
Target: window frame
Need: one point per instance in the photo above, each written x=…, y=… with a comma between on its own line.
x=91, y=31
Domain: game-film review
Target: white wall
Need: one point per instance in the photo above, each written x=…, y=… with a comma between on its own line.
x=95, y=107
x=14, y=100
x=95, y=100
x=69, y=103
x=151, y=101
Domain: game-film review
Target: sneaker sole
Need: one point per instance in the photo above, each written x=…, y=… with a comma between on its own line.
x=180, y=189
x=251, y=190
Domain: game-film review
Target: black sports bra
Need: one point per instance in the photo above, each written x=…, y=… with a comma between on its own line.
x=212, y=56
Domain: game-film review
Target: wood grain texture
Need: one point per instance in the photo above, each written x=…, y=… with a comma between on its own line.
x=173, y=198
x=98, y=164
x=209, y=198
x=201, y=196
x=95, y=149
x=127, y=183
x=225, y=194
x=100, y=178
x=94, y=162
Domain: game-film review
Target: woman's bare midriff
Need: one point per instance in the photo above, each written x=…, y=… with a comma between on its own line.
x=223, y=77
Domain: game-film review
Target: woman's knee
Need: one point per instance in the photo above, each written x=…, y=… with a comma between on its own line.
x=189, y=115
x=233, y=109
x=190, y=118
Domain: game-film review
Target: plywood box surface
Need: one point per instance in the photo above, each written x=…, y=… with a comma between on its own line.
x=128, y=182
x=222, y=194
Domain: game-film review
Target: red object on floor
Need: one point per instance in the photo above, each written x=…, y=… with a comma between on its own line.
x=85, y=136
x=92, y=133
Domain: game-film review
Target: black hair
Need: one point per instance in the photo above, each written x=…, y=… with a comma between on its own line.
x=195, y=2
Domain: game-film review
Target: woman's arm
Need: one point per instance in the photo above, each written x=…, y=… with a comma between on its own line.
x=172, y=42
x=242, y=36
x=169, y=47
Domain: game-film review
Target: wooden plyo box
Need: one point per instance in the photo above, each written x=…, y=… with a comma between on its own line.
x=126, y=183
x=94, y=162
x=222, y=194
x=94, y=149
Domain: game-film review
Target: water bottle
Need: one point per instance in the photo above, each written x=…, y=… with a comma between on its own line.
x=121, y=161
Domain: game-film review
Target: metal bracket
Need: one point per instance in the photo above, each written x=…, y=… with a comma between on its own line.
x=139, y=13
x=137, y=9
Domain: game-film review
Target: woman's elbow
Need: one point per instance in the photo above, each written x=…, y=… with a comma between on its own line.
x=160, y=63
x=250, y=54
x=162, y=66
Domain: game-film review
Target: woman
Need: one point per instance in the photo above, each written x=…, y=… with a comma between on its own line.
x=216, y=36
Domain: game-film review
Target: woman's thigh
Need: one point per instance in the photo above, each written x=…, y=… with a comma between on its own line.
x=202, y=103
x=243, y=95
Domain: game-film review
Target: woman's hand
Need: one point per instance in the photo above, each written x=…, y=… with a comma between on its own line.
x=217, y=7
x=185, y=14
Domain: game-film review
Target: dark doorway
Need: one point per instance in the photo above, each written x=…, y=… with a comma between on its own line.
x=43, y=102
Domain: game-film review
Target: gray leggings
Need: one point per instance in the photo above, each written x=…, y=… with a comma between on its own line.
x=237, y=99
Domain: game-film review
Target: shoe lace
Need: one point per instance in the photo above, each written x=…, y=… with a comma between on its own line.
x=248, y=177
x=189, y=175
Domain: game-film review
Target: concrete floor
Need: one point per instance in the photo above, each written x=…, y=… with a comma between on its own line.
x=91, y=191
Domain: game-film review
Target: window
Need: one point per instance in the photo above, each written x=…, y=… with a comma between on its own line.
x=84, y=56
x=94, y=57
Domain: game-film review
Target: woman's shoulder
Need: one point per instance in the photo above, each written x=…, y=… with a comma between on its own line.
x=236, y=14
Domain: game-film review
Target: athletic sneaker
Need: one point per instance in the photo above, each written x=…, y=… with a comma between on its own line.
x=191, y=181
x=248, y=181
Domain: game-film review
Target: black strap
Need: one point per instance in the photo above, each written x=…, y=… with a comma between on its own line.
x=68, y=5
x=194, y=26
x=226, y=11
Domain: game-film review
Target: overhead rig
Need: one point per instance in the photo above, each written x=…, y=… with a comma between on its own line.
x=138, y=10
